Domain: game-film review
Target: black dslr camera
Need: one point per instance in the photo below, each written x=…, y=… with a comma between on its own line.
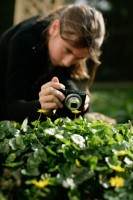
x=74, y=99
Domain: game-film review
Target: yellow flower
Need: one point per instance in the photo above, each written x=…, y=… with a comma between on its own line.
x=42, y=111
x=77, y=163
x=117, y=181
x=118, y=168
x=41, y=183
x=76, y=111
x=121, y=153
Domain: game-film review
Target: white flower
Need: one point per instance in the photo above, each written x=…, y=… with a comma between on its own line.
x=131, y=139
x=93, y=130
x=128, y=161
x=61, y=131
x=17, y=133
x=50, y=131
x=36, y=149
x=86, y=137
x=59, y=136
x=24, y=125
x=79, y=140
x=24, y=129
x=63, y=146
x=58, y=176
x=69, y=183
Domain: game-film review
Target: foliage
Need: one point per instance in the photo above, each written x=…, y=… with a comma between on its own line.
x=113, y=102
x=65, y=159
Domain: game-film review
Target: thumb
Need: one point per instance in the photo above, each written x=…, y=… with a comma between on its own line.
x=55, y=79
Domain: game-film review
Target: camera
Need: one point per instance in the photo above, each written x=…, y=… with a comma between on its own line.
x=74, y=99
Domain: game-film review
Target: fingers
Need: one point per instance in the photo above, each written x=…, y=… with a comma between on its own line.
x=50, y=97
x=87, y=101
x=50, y=102
x=55, y=80
x=50, y=93
x=51, y=84
x=53, y=98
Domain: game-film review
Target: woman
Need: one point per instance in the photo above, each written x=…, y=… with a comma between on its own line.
x=44, y=54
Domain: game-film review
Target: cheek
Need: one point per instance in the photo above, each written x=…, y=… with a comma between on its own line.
x=55, y=52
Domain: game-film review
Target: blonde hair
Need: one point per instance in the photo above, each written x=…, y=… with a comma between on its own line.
x=88, y=25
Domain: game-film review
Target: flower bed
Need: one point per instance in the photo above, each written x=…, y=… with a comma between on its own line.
x=65, y=159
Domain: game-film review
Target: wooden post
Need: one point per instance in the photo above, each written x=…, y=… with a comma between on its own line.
x=27, y=8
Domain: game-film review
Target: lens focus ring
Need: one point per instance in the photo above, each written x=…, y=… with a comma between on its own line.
x=73, y=101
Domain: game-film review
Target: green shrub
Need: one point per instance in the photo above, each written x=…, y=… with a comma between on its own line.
x=65, y=159
x=113, y=102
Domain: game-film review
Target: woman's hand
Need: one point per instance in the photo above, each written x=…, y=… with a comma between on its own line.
x=50, y=97
x=87, y=101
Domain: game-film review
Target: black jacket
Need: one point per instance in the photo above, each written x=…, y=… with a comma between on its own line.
x=24, y=67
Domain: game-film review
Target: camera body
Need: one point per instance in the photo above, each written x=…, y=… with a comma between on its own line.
x=74, y=99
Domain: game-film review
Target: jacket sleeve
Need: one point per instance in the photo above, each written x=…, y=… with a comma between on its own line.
x=18, y=81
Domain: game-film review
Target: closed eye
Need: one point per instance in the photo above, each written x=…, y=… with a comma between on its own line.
x=68, y=51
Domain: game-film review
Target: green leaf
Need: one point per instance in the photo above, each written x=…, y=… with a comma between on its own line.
x=11, y=157
x=96, y=140
x=20, y=143
x=47, y=124
x=93, y=160
x=50, y=151
x=65, y=141
x=12, y=143
x=2, y=134
x=30, y=171
x=4, y=146
x=14, y=164
x=119, y=137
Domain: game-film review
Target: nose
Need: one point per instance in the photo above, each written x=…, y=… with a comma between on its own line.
x=68, y=60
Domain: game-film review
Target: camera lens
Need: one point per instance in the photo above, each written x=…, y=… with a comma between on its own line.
x=73, y=101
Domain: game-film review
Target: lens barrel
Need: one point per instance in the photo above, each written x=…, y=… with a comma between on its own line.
x=73, y=101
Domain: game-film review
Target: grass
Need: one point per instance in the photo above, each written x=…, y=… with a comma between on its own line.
x=114, y=100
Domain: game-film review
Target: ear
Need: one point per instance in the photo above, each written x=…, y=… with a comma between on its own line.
x=54, y=27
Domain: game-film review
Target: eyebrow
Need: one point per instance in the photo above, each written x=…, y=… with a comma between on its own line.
x=76, y=56
x=80, y=57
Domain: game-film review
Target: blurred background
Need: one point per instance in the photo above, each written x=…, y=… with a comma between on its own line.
x=112, y=90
